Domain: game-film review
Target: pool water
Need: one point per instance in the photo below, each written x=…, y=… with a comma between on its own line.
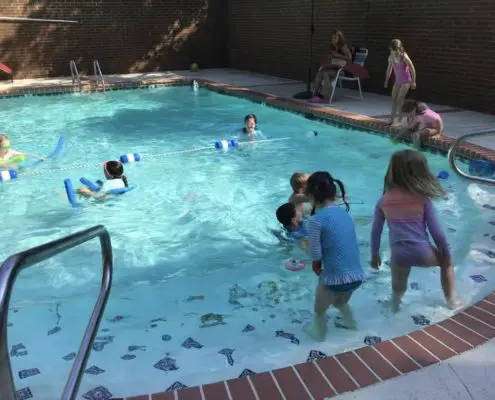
x=199, y=293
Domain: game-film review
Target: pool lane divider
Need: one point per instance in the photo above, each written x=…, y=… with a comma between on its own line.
x=220, y=145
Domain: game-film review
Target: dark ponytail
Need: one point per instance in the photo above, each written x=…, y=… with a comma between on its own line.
x=342, y=191
x=321, y=186
x=124, y=179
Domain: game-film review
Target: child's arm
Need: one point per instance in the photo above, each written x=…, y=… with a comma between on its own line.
x=388, y=72
x=34, y=156
x=410, y=64
x=376, y=234
x=314, y=244
x=436, y=230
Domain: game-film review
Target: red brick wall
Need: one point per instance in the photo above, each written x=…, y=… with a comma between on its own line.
x=450, y=41
x=124, y=35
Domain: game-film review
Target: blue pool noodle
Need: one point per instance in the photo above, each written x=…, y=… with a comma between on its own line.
x=71, y=194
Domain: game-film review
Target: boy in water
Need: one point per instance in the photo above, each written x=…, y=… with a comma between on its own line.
x=291, y=217
x=297, y=183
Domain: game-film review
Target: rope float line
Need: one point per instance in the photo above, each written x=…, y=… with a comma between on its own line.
x=142, y=155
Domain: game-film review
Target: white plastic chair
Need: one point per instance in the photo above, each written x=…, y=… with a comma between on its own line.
x=359, y=58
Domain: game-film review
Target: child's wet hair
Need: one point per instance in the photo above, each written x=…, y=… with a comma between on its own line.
x=116, y=171
x=285, y=213
x=408, y=169
x=322, y=187
x=397, y=45
x=251, y=116
x=413, y=105
x=298, y=181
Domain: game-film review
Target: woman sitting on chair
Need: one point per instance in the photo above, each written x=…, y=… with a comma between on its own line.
x=339, y=56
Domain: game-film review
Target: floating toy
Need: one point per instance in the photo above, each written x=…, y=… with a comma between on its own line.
x=311, y=133
x=226, y=144
x=8, y=175
x=130, y=158
x=295, y=265
x=443, y=175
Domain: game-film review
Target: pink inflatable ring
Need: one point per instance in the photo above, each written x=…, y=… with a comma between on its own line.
x=295, y=265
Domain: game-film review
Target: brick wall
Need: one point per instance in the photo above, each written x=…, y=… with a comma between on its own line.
x=124, y=35
x=451, y=42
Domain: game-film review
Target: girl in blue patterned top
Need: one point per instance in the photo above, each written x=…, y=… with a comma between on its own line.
x=334, y=250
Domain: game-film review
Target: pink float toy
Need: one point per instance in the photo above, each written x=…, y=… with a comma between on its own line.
x=295, y=265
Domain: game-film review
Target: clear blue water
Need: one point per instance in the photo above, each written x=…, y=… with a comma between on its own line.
x=194, y=238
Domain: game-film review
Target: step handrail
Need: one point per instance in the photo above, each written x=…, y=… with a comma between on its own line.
x=75, y=74
x=9, y=271
x=98, y=73
x=453, y=152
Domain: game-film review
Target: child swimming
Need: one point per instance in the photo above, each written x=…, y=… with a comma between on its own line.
x=9, y=158
x=298, y=183
x=291, y=218
x=333, y=247
x=250, y=130
x=406, y=205
x=114, y=173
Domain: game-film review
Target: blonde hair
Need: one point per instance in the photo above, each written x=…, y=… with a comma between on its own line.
x=408, y=169
x=298, y=181
x=397, y=45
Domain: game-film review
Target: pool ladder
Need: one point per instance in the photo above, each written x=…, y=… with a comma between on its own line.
x=9, y=271
x=76, y=78
x=98, y=75
x=453, y=152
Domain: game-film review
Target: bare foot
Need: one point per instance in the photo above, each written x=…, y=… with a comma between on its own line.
x=454, y=303
x=317, y=329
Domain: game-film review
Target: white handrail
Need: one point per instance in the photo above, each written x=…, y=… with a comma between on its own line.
x=98, y=74
x=51, y=21
x=75, y=74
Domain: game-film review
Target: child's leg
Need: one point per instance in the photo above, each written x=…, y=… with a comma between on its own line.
x=342, y=304
x=395, y=91
x=400, y=275
x=401, y=95
x=318, y=328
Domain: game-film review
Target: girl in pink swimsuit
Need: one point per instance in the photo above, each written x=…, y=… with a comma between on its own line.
x=406, y=206
x=405, y=76
x=423, y=121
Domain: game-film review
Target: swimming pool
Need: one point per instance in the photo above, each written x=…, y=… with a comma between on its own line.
x=199, y=293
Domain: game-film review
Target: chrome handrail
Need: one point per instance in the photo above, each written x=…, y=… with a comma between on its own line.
x=452, y=153
x=98, y=73
x=75, y=74
x=9, y=271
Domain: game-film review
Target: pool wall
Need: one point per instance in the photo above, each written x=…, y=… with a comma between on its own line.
x=325, y=376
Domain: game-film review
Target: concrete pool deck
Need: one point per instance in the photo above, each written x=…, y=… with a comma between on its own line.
x=386, y=366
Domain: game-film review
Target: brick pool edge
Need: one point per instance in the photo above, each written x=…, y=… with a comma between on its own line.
x=330, y=375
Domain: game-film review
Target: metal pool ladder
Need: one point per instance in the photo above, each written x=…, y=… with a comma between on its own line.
x=98, y=74
x=75, y=74
x=453, y=152
x=9, y=271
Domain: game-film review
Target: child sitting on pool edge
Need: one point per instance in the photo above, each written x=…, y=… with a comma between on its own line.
x=291, y=218
x=115, y=180
x=9, y=157
x=423, y=122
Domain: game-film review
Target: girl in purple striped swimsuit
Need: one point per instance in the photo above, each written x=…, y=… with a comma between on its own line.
x=405, y=77
x=406, y=205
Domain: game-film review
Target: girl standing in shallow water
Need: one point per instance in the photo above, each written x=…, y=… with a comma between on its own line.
x=334, y=249
x=406, y=205
x=405, y=77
